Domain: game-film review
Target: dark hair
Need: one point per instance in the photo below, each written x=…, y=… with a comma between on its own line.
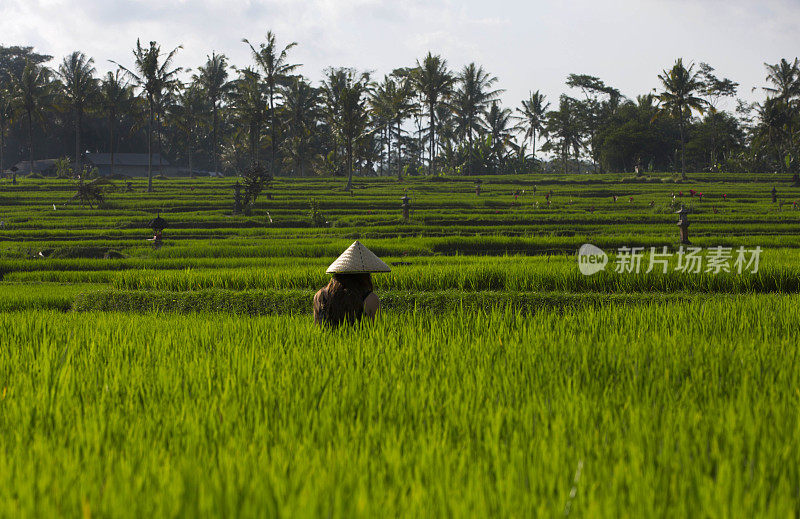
x=342, y=299
x=355, y=282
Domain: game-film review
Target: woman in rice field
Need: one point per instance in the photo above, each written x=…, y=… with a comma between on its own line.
x=349, y=296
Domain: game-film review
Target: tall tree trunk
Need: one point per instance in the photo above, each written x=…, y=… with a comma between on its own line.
x=790, y=137
x=683, y=150
x=189, y=154
x=298, y=159
x=469, y=154
x=335, y=158
x=383, y=145
x=349, y=165
x=433, y=139
x=713, y=142
x=273, y=138
x=300, y=164
x=30, y=146
x=78, y=167
x=216, y=145
x=150, y=148
x=386, y=159
x=421, y=148
x=399, y=162
x=389, y=149
x=159, y=143
x=257, y=143
x=111, y=140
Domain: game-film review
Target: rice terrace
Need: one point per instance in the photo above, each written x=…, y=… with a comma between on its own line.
x=403, y=295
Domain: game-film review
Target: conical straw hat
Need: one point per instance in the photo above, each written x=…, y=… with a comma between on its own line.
x=357, y=259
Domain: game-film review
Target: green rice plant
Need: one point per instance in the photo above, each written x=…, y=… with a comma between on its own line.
x=41, y=296
x=682, y=408
x=299, y=301
x=522, y=274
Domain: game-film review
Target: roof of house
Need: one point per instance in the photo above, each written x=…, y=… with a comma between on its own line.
x=124, y=159
x=38, y=165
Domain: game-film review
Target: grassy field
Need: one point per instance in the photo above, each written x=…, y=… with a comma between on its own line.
x=498, y=381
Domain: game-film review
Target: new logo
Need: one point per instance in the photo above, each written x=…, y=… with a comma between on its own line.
x=591, y=259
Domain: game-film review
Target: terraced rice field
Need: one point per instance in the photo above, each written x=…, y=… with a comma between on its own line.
x=498, y=380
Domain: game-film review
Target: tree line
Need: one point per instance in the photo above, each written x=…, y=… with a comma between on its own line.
x=423, y=119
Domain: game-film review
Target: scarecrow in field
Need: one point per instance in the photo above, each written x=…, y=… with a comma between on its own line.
x=158, y=225
x=349, y=295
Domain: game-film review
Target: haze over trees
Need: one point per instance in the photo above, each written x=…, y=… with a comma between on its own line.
x=424, y=118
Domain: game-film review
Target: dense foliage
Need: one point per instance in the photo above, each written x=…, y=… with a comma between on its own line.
x=422, y=118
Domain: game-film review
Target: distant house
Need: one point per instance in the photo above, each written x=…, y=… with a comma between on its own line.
x=130, y=164
x=42, y=167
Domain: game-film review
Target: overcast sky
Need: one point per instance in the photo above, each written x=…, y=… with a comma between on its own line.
x=528, y=45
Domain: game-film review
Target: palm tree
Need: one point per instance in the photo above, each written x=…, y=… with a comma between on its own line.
x=470, y=100
x=564, y=130
x=301, y=113
x=188, y=114
x=646, y=109
x=330, y=112
x=116, y=98
x=498, y=123
x=404, y=107
x=213, y=78
x=381, y=112
x=775, y=117
x=532, y=117
x=433, y=82
x=154, y=76
x=345, y=96
x=79, y=89
x=276, y=71
x=714, y=89
x=392, y=104
x=249, y=105
x=678, y=99
x=163, y=102
x=32, y=92
x=785, y=78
